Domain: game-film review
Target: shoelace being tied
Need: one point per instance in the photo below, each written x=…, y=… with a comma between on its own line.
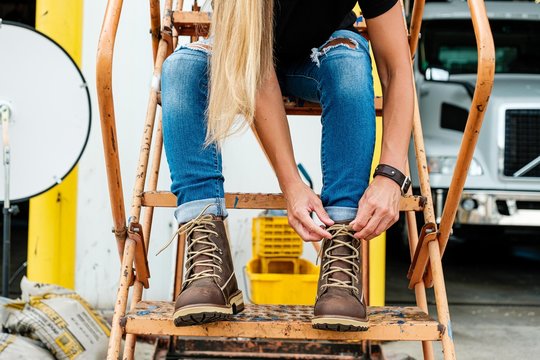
x=329, y=269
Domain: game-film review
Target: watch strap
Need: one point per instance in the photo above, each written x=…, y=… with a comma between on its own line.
x=391, y=172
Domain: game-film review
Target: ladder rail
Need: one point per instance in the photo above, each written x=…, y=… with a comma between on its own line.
x=435, y=248
x=416, y=25
x=410, y=217
x=108, y=122
x=148, y=133
x=482, y=92
x=484, y=85
x=155, y=26
x=160, y=50
x=162, y=46
x=138, y=287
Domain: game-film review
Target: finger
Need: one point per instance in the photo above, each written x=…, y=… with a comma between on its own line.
x=310, y=225
x=363, y=216
x=298, y=228
x=304, y=233
x=384, y=225
x=312, y=237
x=322, y=214
x=370, y=227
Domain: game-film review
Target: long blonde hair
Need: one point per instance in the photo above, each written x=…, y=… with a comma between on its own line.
x=242, y=57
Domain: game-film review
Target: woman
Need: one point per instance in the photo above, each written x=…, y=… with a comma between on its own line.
x=258, y=51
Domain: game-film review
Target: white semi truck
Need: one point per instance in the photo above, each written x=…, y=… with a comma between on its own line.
x=502, y=191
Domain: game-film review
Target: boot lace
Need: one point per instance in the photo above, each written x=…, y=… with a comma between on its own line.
x=329, y=269
x=199, y=224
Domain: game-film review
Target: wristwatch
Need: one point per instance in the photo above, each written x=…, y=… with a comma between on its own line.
x=391, y=172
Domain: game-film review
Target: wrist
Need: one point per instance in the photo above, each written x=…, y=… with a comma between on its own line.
x=386, y=182
x=393, y=174
x=394, y=157
x=289, y=185
x=396, y=163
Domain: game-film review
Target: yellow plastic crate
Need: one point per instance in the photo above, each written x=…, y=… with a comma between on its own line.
x=273, y=237
x=282, y=288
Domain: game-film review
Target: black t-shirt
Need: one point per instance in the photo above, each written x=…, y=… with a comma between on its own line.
x=301, y=25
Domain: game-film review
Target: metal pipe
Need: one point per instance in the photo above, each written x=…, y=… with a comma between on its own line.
x=443, y=312
x=120, y=305
x=155, y=26
x=129, y=346
x=419, y=288
x=108, y=122
x=416, y=24
x=484, y=85
x=148, y=132
x=5, y=114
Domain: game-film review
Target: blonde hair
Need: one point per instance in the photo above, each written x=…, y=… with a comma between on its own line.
x=242, y=58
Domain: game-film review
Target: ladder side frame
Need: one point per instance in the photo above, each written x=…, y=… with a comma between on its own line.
x=162, y=47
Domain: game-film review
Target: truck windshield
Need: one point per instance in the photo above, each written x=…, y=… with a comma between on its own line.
x=450, y=45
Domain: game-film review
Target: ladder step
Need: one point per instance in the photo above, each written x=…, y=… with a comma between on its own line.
x=283, y=322
x=307, y=108
x=195, y=23
x=299, y=107
x=260, y=201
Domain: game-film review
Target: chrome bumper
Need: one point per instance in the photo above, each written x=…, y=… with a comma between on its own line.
x=504, y=208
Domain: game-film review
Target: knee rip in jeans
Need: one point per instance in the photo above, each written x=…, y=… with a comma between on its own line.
x=332, y=44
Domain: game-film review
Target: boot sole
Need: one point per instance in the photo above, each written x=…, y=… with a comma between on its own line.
x=336, y=323
x=206, y=313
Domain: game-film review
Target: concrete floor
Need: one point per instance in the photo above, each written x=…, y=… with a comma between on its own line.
x=493, y=288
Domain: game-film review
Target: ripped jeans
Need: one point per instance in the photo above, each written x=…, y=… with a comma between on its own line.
x=336, y=75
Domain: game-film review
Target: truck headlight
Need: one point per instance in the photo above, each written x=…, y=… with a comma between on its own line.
x=446, y=165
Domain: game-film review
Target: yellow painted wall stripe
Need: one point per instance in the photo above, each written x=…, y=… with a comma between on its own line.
x=53, y=215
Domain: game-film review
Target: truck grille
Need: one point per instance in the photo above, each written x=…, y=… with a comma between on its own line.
x=522, y=142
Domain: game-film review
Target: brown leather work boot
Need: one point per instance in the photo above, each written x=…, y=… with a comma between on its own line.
x=340, y=304
x=210, y=291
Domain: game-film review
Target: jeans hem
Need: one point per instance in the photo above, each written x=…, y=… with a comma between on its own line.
x=340, y=213
x=189, y=210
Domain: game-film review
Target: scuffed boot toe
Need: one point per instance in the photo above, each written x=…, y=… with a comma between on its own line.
x=204, y=303
x=338, y=310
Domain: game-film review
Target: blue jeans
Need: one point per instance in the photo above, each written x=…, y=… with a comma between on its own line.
x=338, y=77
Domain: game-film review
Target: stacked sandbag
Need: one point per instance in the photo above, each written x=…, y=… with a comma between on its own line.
x=15, y=347
x=64, y=322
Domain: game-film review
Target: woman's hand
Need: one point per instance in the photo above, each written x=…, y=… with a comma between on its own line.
x=378, y=209
x=301, y=201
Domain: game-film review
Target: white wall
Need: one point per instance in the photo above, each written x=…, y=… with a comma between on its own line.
x=245, y=166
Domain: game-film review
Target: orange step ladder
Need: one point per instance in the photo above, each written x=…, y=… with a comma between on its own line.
x=270, y=321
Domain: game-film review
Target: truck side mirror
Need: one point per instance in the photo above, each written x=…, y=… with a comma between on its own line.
x=442, y=75
x=437, y=74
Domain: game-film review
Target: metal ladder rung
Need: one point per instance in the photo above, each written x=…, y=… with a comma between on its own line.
x=260, y=201
x=295, y=107
x=298, y=107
